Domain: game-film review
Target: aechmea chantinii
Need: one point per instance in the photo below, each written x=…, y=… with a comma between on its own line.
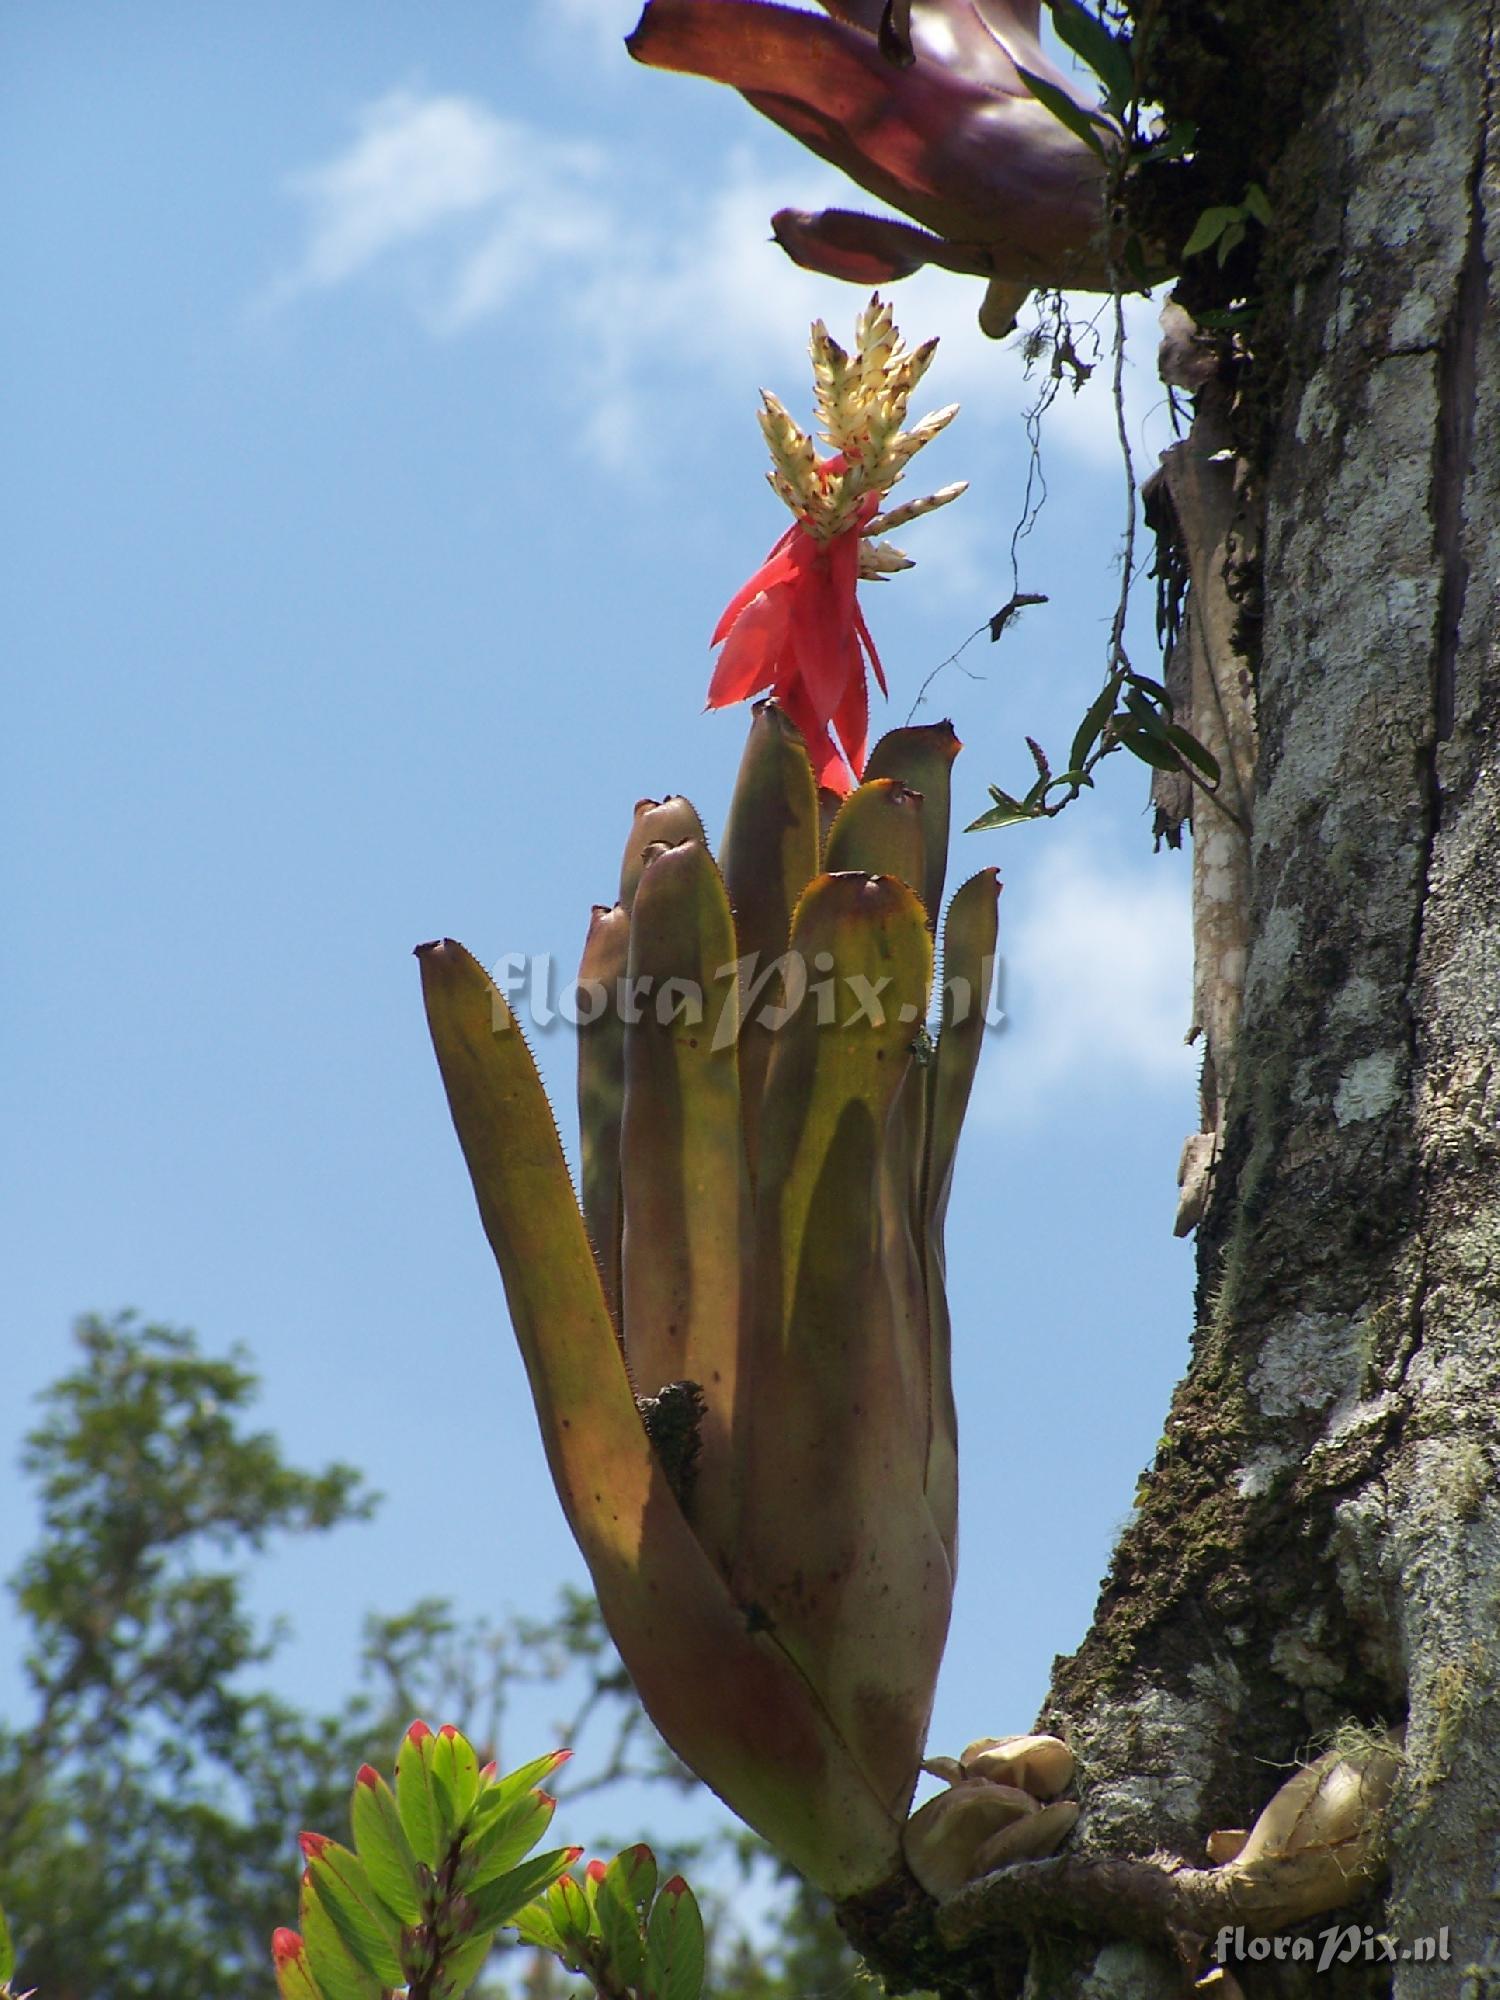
x=738, y=1346
x=796, y=627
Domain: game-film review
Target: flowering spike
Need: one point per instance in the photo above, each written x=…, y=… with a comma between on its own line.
x=774, y=1324
x=795, y=626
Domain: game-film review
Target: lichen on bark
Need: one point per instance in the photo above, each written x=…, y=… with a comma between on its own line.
x=1317, y=1543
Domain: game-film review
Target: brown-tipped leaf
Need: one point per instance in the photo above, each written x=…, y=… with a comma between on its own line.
x=879, y=831
x=922, y=757
x=657, y=822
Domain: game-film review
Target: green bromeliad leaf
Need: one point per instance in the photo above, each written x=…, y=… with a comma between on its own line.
x=922, y=758
x=834, y=1451
x=969, y=937
x=500, y=1794
x=534, y=1925
x=768, y=857
x=878, y=831
x=601, y=1087
x=294, y=1976
x=683, y=1164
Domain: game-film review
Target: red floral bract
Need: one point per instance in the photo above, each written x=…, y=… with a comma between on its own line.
x=796, y=629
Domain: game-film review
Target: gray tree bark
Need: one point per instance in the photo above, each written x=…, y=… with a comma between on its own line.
x=1318, y=1541
x=1314, y=1557
x=1315, y=1554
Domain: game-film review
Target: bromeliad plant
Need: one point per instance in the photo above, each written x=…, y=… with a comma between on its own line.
x=739, y=1349
x=739, y=1346
x=950, y=110
x=796, y=626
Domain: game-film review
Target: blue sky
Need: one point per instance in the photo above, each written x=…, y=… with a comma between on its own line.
x=380, y=452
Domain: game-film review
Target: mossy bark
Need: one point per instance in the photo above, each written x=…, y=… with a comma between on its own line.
x=1318, y=1541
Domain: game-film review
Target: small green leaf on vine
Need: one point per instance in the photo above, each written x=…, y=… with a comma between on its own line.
x=1227, y=226
x=1085, y=125
x=1108, y=55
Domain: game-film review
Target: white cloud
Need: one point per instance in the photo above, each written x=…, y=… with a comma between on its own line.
x=651, y=283
x=1097, y=958
x=465, y=206
x=600, y=24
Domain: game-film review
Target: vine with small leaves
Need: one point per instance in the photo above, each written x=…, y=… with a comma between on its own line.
x=1133, y=712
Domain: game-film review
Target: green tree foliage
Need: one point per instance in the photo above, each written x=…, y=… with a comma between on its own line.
x=148, y=1803
x=151, y=1797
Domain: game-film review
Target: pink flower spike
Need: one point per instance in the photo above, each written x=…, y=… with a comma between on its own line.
x=286, y=1946
x=418, y=1733
x=312, y=1844
x=368, y=1776
x=596, y=1871
x=795, y=626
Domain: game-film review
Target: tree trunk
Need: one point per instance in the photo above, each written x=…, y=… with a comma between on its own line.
x=1318, y=1542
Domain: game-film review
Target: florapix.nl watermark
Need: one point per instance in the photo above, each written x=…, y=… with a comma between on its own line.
x=769, y=992
x=1338, y=1944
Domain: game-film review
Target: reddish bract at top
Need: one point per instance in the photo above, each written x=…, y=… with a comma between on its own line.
x=933, y=114
x=796, y=629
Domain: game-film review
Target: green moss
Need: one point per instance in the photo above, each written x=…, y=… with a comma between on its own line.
x=1452, y=1701
x=1467, y=1478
